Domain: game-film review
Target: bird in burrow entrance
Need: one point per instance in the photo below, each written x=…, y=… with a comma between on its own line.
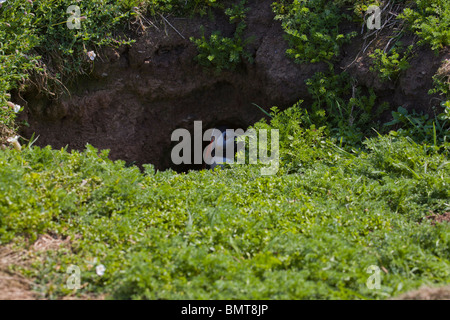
x=216, y=152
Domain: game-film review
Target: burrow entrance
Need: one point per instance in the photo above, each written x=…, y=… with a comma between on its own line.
x=233, y=124
x=136, y=96
x=137, y=130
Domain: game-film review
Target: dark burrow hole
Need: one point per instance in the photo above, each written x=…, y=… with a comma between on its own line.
x=135, y=130
x=221, y=125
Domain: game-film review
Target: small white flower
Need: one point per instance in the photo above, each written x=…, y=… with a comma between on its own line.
x=91, y=55
x=14, y=106
x=100, y=270
x=15, y=142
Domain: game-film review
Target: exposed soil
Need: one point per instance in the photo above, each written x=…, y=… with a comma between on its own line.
x=410, y=89
x=439, y=218
x=13, y=285
x=426, y=293
x=137, y=96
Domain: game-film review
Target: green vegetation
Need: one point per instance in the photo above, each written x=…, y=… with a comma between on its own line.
x=312, y=29
x=311, y=231
x=430, y=19
x=389, y=65
x=349, y=113
x=223, y=52
x=179, y=7
x=421, y=128
x=35, y=35
x=349, y=193
x=35, y=40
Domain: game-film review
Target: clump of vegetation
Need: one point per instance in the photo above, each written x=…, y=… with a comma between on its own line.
x=36, y=37
x=179, y=7
x=420, y=127
x=349, y=113
x=442, y=81
x=312, y=29
x=390, y=64
x=38, y=47
x=222, y=52
x=430, y=19
x=17, y=39
x=298, y=135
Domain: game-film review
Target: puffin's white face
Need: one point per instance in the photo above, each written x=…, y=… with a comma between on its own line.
x=221, y=143
x=221, y=140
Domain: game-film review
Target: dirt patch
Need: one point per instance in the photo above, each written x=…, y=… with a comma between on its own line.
x=410, y=89
x=439, y=218
x=47, y=242
x=14, y=286
x=426, y=293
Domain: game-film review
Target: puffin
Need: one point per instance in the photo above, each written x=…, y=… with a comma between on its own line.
x=219, y=145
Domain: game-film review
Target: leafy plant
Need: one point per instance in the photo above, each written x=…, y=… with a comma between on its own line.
x=341, y=105
x=308, y=234
x=420, y=128
x=389, y=65
x=442, y=81
x=223, y=52
x=180, y=7
x=312, y=29
x=298, y=136
x=36, y=41
x=430, y=19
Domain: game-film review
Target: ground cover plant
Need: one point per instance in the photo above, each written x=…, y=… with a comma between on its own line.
x=311, y=231
x=224, y=52
x=351, y=193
